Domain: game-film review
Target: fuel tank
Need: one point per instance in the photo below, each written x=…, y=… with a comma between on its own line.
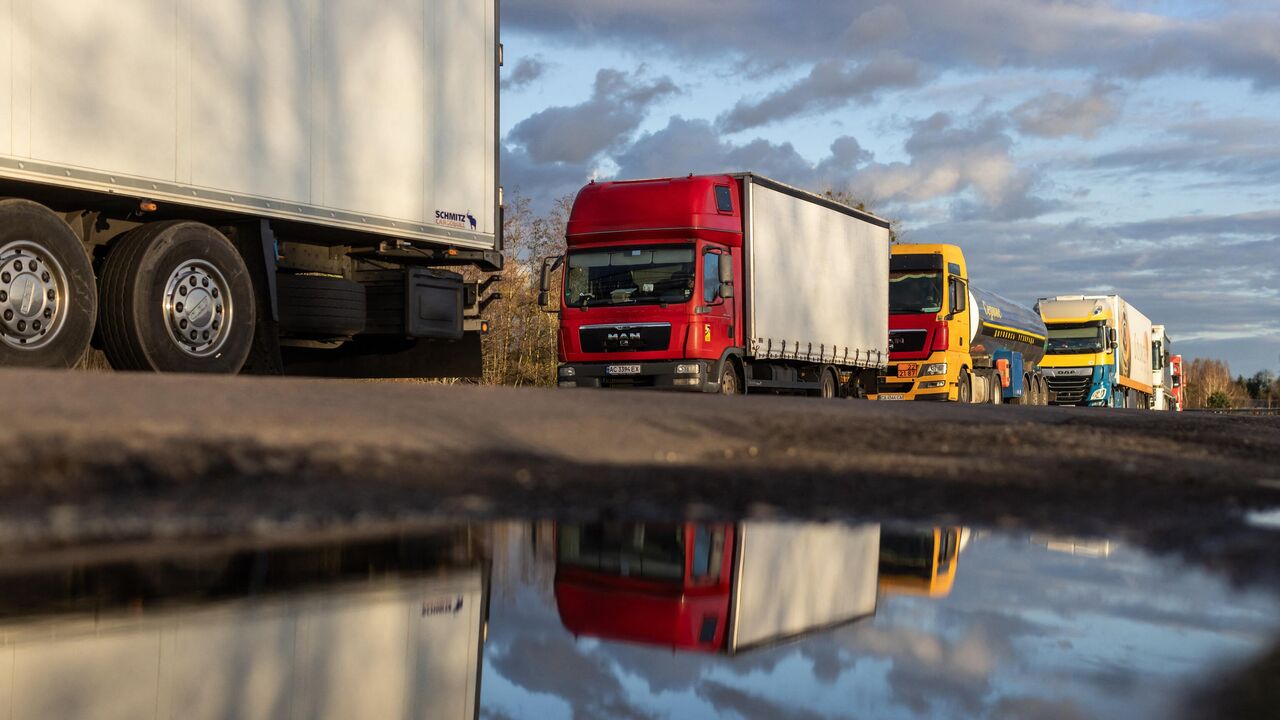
x=1002, y=324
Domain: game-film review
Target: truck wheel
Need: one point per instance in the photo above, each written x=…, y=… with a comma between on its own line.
x=176, y=297
x=319, y=306
x=48, y=300
x=964, y=388
x=830, y=386
x=995, y=390
x=729, y=381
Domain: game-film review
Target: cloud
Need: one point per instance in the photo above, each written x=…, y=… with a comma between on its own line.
x=527, y=71
x=1100, y=36
x=1056, y=115
x=726, y=698
x=831, y=84
x=1238, y=150
x=949, y=158
x=575, y=134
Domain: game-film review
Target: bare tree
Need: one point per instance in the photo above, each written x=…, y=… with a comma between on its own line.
x=520, y=349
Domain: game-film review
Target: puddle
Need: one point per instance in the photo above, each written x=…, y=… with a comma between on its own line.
x=539, y=620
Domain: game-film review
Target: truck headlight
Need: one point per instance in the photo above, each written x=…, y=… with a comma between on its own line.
x=934, y=369
x=568, y=372
x=689, y=369
x=1099, y=394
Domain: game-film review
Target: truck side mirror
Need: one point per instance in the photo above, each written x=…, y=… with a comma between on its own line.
x=726, y=270
x=549, y=264
x=726, y=290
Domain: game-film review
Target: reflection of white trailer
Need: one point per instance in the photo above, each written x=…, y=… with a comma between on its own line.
x=403, y=649
x=790, y=580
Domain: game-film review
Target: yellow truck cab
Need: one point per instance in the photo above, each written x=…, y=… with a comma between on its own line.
x=920, y=561
x=951, y=342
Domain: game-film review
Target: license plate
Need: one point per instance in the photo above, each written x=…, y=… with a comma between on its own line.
x=895, y=396
x=908, y=370
x=623, y=370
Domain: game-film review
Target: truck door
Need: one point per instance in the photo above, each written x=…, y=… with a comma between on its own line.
x=713, y=330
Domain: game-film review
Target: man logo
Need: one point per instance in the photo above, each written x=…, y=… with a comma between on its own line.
x=623, y=339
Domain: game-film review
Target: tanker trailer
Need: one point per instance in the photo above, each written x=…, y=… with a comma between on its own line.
x=951, y=342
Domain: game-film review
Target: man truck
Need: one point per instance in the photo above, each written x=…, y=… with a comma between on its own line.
x=721, y=284
x=1099, y=352
x=717, y=588
x=952, y=342
x=194, y=185
x=920, y=561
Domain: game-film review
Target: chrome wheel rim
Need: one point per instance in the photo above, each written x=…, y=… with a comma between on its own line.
x=33, y=296
x=197, y=309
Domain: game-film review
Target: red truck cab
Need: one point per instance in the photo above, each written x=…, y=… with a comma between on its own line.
x=656, y=584
x=648, y=296
x=1178, y=391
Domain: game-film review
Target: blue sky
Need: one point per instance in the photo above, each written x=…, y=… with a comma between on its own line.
x=1069, y=146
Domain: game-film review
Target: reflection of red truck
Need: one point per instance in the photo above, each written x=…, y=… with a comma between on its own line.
x=721, y=284
x=714, y=587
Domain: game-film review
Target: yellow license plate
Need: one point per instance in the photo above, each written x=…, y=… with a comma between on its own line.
x=908, y=371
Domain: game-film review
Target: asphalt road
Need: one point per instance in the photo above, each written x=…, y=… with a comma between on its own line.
x=111, y=458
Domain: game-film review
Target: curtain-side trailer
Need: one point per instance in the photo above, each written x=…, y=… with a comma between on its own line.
x=195, y=185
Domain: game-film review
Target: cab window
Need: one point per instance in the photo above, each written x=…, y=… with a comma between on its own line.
x=710, y=277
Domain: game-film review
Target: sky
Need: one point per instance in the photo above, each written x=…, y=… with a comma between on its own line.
x=1025, y=632
x=1069, y=146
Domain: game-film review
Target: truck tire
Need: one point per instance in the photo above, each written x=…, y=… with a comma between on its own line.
x=321, y=307
x=48, y=298
x=730, y=383
x=995, y=391
x=176, y=297
x=964, y=388
x=830, y=385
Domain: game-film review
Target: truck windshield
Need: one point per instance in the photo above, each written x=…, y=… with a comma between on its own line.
x=652, y=551
x=1076, y=339
x=915, y=291
x=638, y=276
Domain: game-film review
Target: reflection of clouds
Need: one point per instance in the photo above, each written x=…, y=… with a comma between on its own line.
x=749, y=705
x=1024, y=633
x=1021, y=708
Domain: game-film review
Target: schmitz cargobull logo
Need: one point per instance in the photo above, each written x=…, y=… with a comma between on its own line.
x=458, y=221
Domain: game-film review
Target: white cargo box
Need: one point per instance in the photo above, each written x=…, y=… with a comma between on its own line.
x=370, y=116
x=792, y=579
x=818, y=276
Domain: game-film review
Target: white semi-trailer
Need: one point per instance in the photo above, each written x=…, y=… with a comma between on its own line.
x=198, y=184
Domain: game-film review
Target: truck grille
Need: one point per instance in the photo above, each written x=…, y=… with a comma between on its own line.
x=1069, y=390
x=907, y=340
x=625, y=338
x=894, y=387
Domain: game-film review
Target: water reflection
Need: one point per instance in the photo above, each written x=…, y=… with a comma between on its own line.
x=609, y=620
x=358, y=630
